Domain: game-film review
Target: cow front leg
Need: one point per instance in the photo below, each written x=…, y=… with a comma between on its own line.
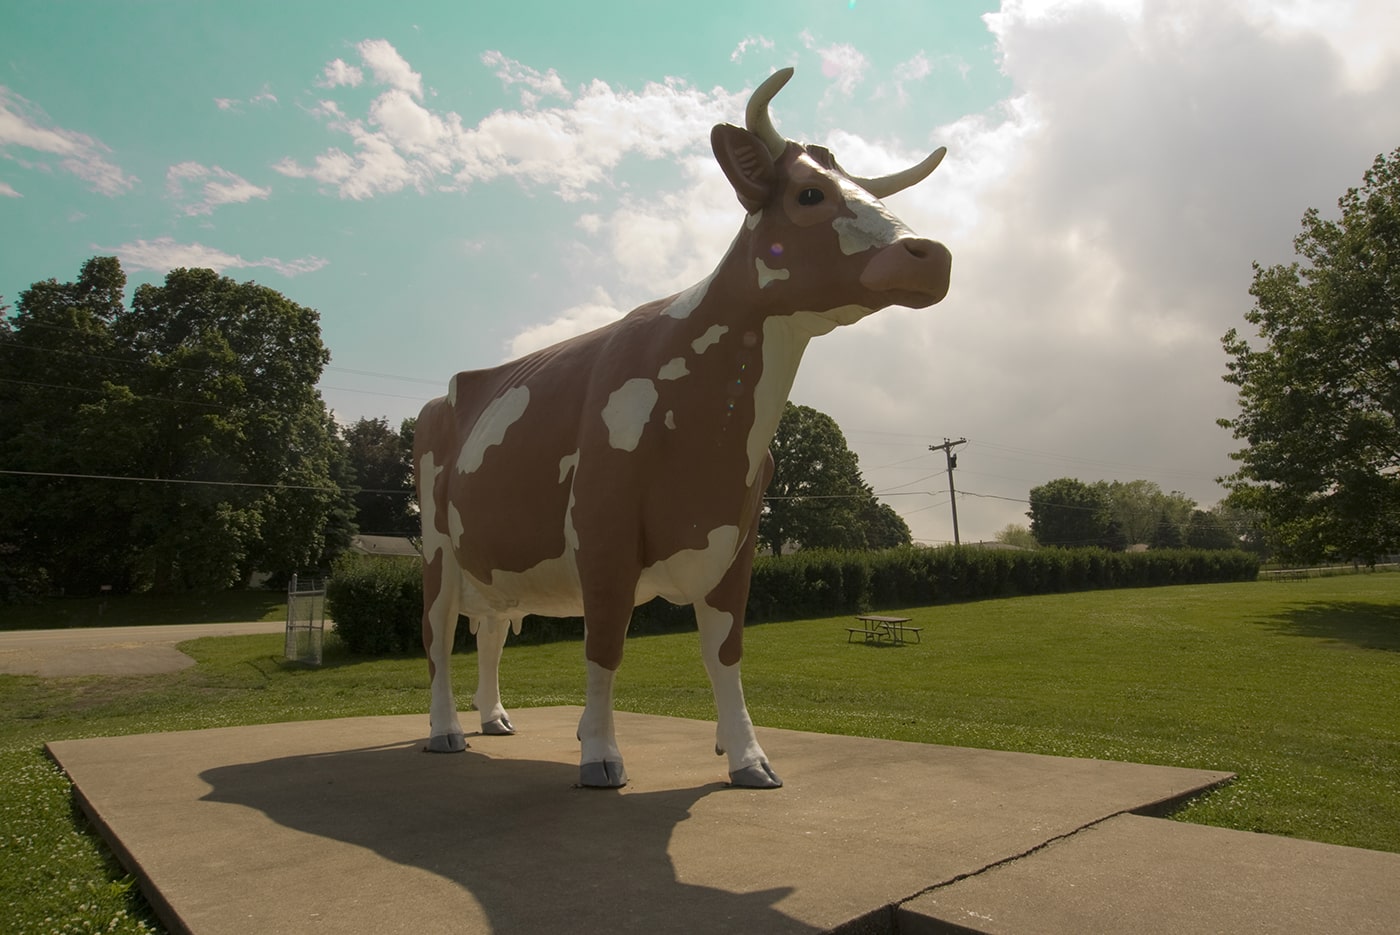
x=605, y=628
x=490, y=638
x=720, y=633
x=441, y=593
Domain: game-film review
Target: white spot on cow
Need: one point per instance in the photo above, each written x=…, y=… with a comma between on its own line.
x=751, y=221
x=566, y=464
x=711, y=337
x=628, y=411
x=455, y=526
x=690, y=574
x=452, y=391
x=685, y=303
x=872, y=226
x=670, y=420
x=490, y=428
x=784, y=339
x=674, y=369
x=427, y=475
x=767, y=274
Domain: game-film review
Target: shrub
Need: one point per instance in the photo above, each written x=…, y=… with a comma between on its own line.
x=377, y=603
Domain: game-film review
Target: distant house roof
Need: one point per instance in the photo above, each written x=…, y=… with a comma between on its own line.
x=383, y=545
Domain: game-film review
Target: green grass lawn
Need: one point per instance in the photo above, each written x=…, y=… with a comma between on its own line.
x=1295, y=686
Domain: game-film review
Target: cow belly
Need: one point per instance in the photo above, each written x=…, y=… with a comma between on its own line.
x=690, y=574
x=549, y=589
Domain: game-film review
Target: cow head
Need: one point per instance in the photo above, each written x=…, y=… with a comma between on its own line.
x=819, y=240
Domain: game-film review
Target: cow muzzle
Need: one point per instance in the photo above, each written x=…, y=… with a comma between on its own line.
x=912, y=271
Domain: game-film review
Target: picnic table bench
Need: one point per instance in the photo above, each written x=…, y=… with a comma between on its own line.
x=876, y=628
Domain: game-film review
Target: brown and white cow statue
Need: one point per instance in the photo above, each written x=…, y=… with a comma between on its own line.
x=630, y=462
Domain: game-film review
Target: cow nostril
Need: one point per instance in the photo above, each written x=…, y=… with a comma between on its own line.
x=919, y=249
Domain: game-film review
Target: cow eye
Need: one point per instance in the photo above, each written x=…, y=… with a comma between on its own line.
x=810, y=196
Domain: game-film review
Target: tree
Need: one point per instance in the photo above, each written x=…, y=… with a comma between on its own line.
x=1137, y=506
x=202, y=448
x=382, y=464
x=1068, y=513
x=817, y=498
x=1166, y=534
x=1205, y=530
x=1017, y=535
x=1320, y=398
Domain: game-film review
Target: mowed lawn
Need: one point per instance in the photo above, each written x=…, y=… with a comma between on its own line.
x=1294, y=685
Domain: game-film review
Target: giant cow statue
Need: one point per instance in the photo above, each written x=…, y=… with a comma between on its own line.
x=630, y=462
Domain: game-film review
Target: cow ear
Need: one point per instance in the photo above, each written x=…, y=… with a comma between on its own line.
x=746, y=163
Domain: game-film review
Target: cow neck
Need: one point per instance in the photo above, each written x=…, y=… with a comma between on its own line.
x=751, y=327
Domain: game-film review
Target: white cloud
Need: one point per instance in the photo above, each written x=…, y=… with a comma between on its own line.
x=23, y=125
x=747, y=43
x=226, y=103
x=537, y=85
x=337, y=73
x=400, y=142
x=7, y=192
x=842, y=64
x=163, y=254
x=571, y=322
x=389, y=67
x=214, y=185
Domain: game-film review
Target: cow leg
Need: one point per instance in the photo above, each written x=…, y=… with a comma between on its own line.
x=605, y=628
x=441, y=597
x=720, y=617
x=748, y=764
x=490, y=638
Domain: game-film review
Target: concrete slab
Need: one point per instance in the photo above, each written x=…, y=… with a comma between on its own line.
x=345, y=826
x=1148, y=876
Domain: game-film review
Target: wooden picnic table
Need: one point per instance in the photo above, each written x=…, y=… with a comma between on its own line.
x=877, y=628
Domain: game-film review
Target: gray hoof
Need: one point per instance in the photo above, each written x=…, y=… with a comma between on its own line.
x=499, y=727
x=446, y=743
x=758, y=776
x=607, y=774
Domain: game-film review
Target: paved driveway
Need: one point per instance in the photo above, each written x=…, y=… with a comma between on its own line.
x=111, y=650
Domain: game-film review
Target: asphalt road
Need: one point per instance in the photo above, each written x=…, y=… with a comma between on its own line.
x=111, y=650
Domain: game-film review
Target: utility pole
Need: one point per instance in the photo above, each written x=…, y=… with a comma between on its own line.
x=947, y=449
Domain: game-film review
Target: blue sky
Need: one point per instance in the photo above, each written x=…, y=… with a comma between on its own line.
x=451, y=184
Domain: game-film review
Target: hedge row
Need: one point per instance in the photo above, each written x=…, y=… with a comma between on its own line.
x=377, y=607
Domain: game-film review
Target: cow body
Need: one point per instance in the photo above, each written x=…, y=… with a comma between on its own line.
x=630, y=462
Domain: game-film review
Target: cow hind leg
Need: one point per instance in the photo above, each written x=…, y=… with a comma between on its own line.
x=734, y=735
x=490, y=639
x=441, y=598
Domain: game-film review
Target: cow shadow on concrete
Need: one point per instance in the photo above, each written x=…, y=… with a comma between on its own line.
x=535, y=852
x=1366, y=624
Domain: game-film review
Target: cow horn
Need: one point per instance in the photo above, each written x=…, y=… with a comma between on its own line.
x=887, y=185
x=756, y=116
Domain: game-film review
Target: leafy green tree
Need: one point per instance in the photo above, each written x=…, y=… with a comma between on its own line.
x=1068, y=513
x=1206, y=530
x=204, y=390
x=1320, y=398
x=1167, y=534
x=1137, y=505
x=817, y=498
x=1017, y=535
x=382, y=461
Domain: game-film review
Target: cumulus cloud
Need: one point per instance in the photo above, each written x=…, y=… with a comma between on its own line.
x=536, y=85
x=337, y=73
x=24, y=126
x=200, y=189
x=569, y=323
x=164, y=253
x=842, y=64
x=7, y=192
x=747, y=43
x=263, y=98
x=389, y=66
x=400, y=142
